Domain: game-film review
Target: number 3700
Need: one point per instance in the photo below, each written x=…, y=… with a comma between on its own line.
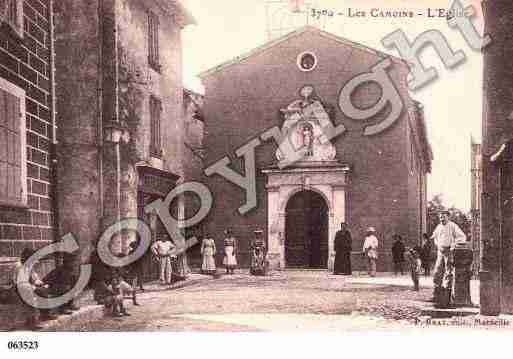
x=25, y=345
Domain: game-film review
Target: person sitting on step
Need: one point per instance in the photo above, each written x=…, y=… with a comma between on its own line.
x=116, y=294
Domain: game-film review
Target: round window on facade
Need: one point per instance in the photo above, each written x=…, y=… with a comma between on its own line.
x=306, y=61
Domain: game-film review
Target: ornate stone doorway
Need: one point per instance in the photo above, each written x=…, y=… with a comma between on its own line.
x=306, y=229
x=322, y=181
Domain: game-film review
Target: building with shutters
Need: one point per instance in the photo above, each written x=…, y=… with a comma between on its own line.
x=102, y=140
x=27, y=129
x=121, y=140
x=377, y=180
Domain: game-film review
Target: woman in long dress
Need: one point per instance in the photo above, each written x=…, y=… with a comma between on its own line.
x=208, y=251
x=259, y=253
x=230, y=252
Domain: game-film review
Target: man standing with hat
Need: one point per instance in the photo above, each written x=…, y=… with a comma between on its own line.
x=446, y=235
x=370, y=250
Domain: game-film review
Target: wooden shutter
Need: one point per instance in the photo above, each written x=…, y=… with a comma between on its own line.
x=152, y=127
x=5, y=8
x=12, y=12
x=9, y=12
x=11, y=189
x=153, y=40
x=156, y=40
x=158, y=110
x=150, y=38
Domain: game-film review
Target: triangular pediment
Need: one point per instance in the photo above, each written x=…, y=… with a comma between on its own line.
x=292, y=35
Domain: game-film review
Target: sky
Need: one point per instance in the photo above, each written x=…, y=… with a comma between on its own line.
x=452, y=103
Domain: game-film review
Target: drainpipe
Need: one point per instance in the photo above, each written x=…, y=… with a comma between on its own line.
x=99, y=125
x=116, y=119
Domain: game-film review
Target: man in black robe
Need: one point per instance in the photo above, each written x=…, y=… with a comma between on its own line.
x=343, y=247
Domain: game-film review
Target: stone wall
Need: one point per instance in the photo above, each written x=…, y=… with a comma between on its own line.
x=497, y=130
x=194, y=135
x=476, y=185
x=78, y=49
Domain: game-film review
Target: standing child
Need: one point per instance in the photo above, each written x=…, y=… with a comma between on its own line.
x=413, y=256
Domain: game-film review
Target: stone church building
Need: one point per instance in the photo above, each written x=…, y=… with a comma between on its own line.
x=377, y=180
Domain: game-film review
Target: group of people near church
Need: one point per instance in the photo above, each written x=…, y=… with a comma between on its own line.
x=445, y=237
x=113, y=285
x=209, y=250
x=258, y=252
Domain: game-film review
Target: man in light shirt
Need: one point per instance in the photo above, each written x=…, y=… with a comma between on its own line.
x=162, y=249
x=370, y=249
x=446, y=235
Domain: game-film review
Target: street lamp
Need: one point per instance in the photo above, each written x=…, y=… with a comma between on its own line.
x=116, y=132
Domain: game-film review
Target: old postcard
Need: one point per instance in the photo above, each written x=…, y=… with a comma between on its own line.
x=255, y=166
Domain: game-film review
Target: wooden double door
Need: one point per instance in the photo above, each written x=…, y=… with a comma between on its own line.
x=306, y=231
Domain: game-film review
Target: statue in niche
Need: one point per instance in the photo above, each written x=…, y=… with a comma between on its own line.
x=304, y=120
x=308, y=139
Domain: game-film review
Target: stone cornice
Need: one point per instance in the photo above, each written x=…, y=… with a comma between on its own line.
x=318, y=167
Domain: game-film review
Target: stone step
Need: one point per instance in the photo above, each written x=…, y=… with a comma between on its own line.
x=431, y=311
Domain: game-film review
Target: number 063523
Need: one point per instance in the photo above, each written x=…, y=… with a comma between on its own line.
x=22, y=345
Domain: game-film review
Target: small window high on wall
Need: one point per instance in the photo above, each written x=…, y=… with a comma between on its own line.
x=13, y=166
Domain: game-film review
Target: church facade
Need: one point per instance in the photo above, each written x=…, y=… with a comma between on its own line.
x=369, y=172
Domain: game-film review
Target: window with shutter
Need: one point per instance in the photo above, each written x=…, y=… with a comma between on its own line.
x=153, y=41
x=11, y=12
x=13, y=167
x=155, y=134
